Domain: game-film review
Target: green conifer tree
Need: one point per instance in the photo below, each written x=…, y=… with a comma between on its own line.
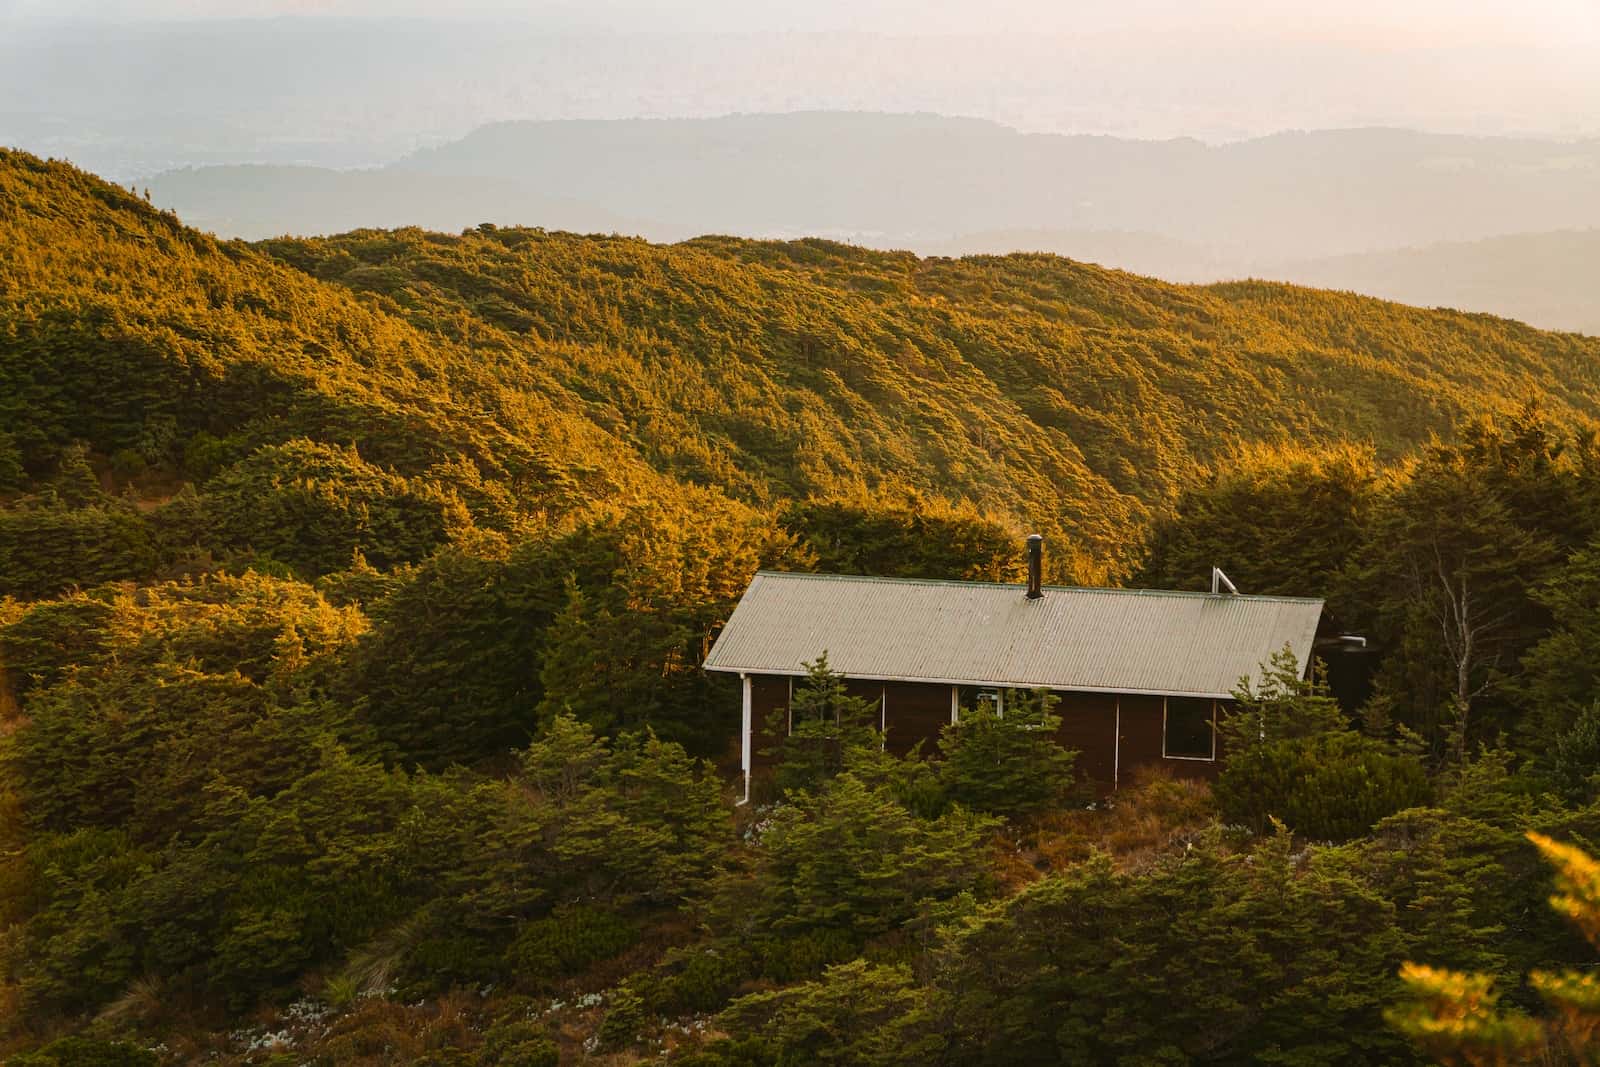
x=824, y=731
x=1006, y=764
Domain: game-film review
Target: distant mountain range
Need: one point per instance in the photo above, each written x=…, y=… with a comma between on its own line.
x=1550, y=279
x=1366, y=209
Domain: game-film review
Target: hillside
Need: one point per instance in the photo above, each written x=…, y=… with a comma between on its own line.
x=1039, y=390
x=353, y=593
x=1332, y=208
x=1149, y=254
x=1049, y=391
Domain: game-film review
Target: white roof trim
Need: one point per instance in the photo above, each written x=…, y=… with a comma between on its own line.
x=987, y=684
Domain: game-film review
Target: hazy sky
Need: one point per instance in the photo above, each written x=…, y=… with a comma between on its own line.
x=1559, y=23
x=131, y=87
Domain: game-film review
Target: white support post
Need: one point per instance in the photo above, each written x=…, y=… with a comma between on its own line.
x=747, y=740
x=883, y=717
x=1116, y=746
x=955, y=704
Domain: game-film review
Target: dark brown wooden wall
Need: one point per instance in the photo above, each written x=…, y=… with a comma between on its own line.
x=769, y=702
x=1089, y=725
x=872, y=691
x=915, y=713
x=1140, y=740
x=1142, y=725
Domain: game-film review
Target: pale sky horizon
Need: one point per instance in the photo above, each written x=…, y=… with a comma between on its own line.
x=137, y=86
x=1508, y=90
x=1558, y=23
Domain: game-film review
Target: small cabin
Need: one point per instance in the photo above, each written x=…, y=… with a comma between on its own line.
x=1141, y=675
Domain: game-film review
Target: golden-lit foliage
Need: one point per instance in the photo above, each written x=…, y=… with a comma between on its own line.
x=513, y=376
x=1456, y=1019
x=1456, y=1016
x=158, y=344
x=353, y=593
x=1578, y=884
x=1042, y=391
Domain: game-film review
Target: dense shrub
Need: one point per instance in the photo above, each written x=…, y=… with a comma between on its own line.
x=474, y=651
x=175, y=686
x=566, y=942
x=1278, y=519
x=1007, y=764
x=1332, y=787
x=857, y=1013
x=852, y=860
x=702, y=981
x=12, y=475
x=794, y=956
x=915, y=539
x=1575, y=756
x=47, y=638
x=446, y=960
x=518, y=1044
x=313, y=506
x=823, y=732
x=537, y=471
x=47, y=546
x=623, y=1020
x=1203, y=956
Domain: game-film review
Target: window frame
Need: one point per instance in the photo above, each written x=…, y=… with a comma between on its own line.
x=992, y=695
x=1165, y=713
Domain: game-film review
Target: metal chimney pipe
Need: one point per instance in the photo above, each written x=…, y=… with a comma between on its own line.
x=1035, y=566
x=1219, y=581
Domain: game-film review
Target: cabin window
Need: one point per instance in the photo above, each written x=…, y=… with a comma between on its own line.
x=979, y=697
x=1189, y=731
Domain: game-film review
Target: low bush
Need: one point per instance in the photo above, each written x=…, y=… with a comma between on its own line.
x=518, y=1044
x=568, y=941
x=1330, y=787
x=704, y=983
x=624, y=1019
x=86, y=1052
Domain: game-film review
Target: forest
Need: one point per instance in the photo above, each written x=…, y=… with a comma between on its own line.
x=353, y=593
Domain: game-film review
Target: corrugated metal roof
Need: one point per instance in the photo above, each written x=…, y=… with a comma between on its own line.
x=981, y=633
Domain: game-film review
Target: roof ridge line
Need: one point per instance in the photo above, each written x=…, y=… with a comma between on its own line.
x=966, y=583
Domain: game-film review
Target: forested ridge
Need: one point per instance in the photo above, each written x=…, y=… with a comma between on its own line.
x=353, y=591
